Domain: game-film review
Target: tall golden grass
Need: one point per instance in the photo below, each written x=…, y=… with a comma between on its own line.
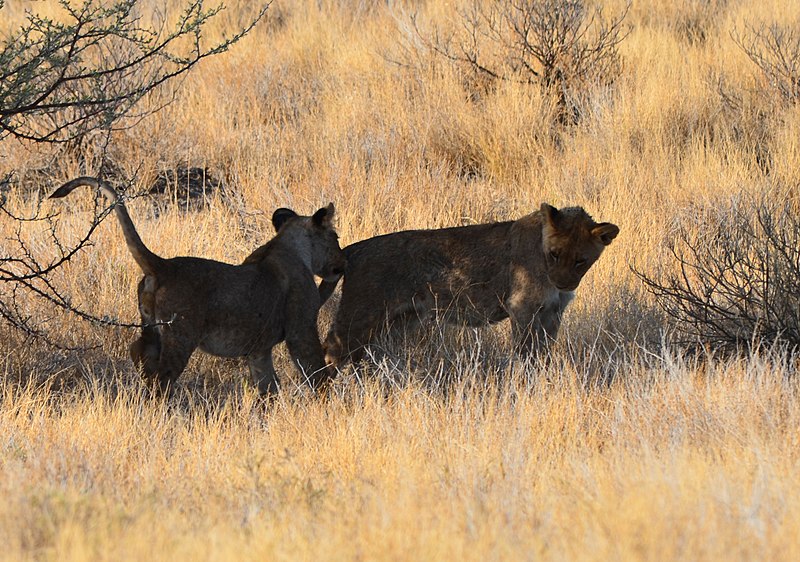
x=618, y=449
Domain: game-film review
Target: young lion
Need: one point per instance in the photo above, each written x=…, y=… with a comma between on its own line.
x=525, y=270
x=232, y=310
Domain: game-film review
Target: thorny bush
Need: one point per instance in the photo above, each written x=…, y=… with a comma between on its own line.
x=736, y=286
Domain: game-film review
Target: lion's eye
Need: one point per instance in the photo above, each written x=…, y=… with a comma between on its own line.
x=554, y=255
x=580, y=263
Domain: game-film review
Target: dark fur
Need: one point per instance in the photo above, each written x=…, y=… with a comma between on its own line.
x=525, y=270
x=228, y=310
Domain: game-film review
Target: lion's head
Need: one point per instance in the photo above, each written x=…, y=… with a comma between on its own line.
x=572, y=242
x=327, y=260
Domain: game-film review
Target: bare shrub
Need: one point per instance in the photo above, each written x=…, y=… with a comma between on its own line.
x=101, y=69
x=775, y=49
x=562, y=45
x=737, y=284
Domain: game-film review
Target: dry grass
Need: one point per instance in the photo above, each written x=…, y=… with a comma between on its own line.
x=617, y=450
x=668, y=464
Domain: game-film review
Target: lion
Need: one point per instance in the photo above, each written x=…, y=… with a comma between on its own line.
x=526, y=270
x=229, y=310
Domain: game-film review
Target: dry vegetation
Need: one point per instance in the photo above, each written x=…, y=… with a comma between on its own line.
x=618, y=449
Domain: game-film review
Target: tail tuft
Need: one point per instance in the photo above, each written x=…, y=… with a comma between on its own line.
x=62, y=191
x=95, y=183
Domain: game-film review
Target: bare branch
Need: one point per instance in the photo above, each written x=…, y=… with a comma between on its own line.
x=561, y=45
x=775, y=49
x=60, y=80
x=738, y=281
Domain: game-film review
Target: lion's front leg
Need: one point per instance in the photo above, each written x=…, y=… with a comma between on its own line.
x=302, y=339
x=263, y=373
x=534, y=328
x=348, y=341
x=531, y=339
x=307, y=353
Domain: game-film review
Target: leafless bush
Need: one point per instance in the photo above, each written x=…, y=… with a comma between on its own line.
x=27, y=277
x=63, y=80
x=737, y=284
x=562, y=45
x=775, y=49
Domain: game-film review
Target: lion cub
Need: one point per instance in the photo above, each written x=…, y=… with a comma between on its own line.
x=525, y=270
x=228, y=310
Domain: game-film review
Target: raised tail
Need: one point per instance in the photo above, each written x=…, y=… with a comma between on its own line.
x=147, y=260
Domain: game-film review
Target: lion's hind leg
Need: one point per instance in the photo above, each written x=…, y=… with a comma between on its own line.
x=163, y=349
x=356, y=328
x=146, y=350
x=347, y=339
x=176, y=350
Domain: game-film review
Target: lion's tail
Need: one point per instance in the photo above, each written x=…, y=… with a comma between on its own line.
x=147, y=260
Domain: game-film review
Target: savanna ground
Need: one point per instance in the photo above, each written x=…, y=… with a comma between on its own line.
x=622, y=447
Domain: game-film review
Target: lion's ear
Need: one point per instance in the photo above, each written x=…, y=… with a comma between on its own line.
x=280, y=216
x=606, y=232
x=324, y=216
x=550, y=214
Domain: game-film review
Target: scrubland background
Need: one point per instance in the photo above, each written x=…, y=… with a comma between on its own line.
x=445, y=449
